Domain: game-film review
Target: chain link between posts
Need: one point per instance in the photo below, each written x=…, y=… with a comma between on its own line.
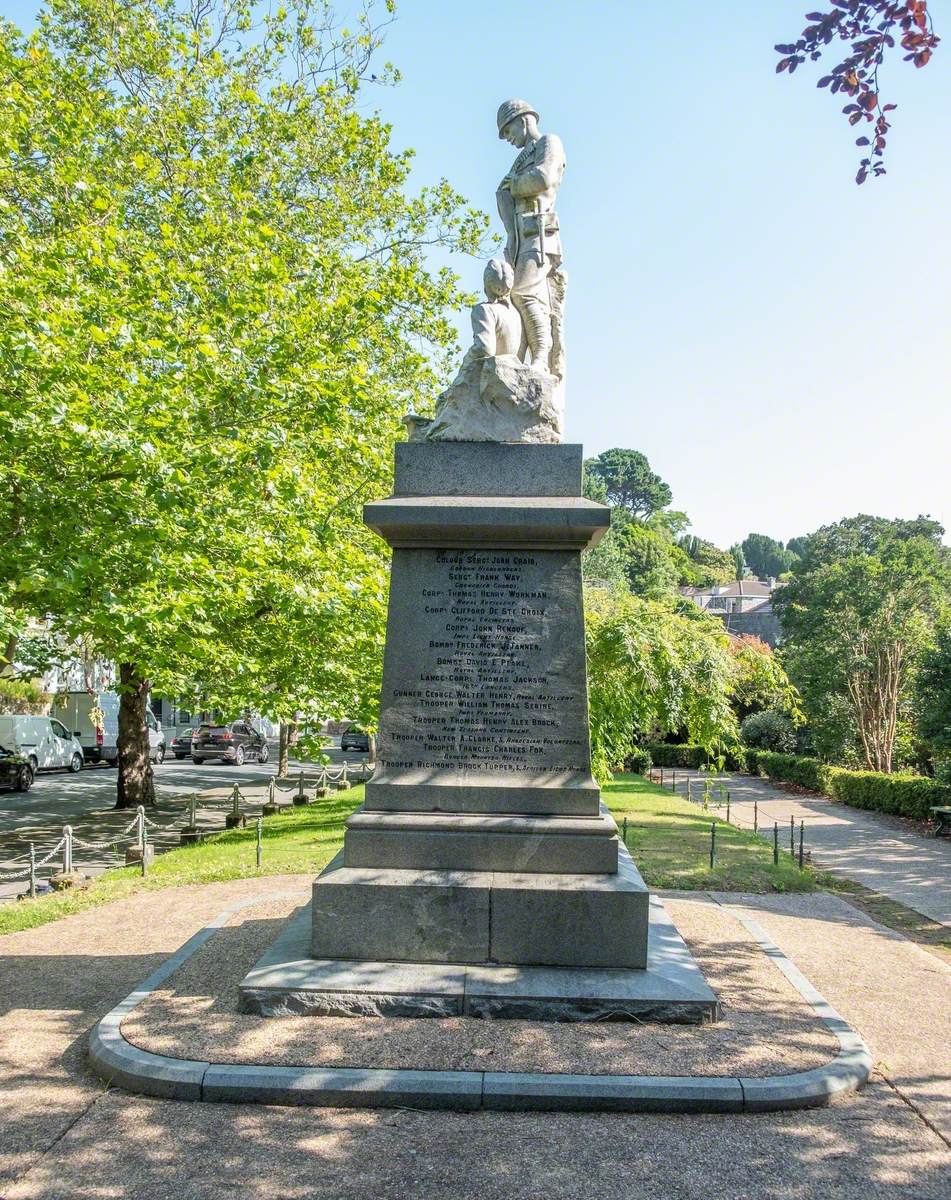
x=140, y=822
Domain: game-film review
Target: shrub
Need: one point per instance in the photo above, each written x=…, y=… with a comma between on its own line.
x=792, y=768
x=903, y=795
x=17, y=696
x=638, y=761
x=769, y=730
x=663, y=754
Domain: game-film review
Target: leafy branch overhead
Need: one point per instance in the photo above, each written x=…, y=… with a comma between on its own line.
x=872, y=28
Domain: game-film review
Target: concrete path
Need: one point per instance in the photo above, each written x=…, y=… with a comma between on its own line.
x=62, y=1136
x=883, y=853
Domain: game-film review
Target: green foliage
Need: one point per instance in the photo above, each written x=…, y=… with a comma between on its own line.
x=766, y=557
x=638, y=761
x=649, y=561
x=707, y=563
x=19, y=696
x=855, y=626
x=669, y=754
x=901, y=795
x=933, y=691
x=759, y=680
x=769, y=730
x=216, y=307
x=624, y=478
x=739, y=561
x=652, y=670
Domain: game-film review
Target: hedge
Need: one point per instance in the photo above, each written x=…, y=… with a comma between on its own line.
x=902, y=795
x=638, y=762
x=664, y=754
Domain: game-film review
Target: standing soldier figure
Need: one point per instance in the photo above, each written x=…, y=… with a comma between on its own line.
x=526, y=200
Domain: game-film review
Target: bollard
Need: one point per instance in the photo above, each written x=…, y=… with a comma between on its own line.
x=801, y=831
x=713, y=844
x=689, y=790
x=270, y=806
x=260, y=842
x=145, y=848
x=792, y=836
x=67, y=849
x=190, y=835
x=300, y=800
x=32, y=872
x=728, y=808
x=673, y=781
x=235, y=818
x=755, y=817
x=775, y=843
x=140, y=817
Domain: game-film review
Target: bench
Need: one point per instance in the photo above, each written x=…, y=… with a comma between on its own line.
x=942, y=814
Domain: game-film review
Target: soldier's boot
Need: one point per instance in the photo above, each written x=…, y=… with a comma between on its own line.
x=536, y=318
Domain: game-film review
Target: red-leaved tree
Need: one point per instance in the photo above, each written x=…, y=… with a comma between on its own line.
x=872, y=28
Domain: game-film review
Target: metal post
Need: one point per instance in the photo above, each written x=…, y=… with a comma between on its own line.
x=775, y=843
x=192, y=821
x=300, y=787
x=259, y=847
x=713, y=844
x=271, y=798
x=140, y=817
x=661, y=776
x=32, y=872
x=673, y=781
x=624, y=831
x=145, y=849
x=67, y=849
x=801, y=832
x=792, y=836
x=343, y=777
x=728, y=808
x=236, y=804
x=755, y=816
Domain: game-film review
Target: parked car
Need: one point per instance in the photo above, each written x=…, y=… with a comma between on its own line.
x=15, y=771
x=234, y=743
x=45, y=743
x=98, y=733
x=181, y=744
x=355, y=739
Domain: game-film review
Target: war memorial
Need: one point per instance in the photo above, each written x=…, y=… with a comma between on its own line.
x=483, y=876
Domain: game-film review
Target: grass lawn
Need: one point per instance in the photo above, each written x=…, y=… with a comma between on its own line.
x=668, y=838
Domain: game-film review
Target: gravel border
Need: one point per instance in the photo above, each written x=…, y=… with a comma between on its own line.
x=119, y=1062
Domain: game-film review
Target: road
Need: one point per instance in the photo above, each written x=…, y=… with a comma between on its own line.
x=85, y=801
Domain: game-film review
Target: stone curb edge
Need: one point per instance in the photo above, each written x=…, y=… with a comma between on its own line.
x=122, y=1064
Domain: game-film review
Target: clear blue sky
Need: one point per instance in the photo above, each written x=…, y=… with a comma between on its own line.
x=774, y=338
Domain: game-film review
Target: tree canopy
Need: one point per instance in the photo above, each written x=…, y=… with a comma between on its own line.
x=624, y=478
x=216, y=307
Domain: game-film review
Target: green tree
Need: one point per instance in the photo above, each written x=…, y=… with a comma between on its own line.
x=739, y=561
x=766, y=557
x=216, y=306
x=624, y=478
x=708, y=563
x=654, y=671
x=933, y=695
x=854, y=629
x=759, y=680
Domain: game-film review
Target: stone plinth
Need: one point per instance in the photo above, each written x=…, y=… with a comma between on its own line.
x=482, y=839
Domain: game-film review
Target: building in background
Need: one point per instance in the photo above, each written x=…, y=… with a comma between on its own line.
x=744, y=606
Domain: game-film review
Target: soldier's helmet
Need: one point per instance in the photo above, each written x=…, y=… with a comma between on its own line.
x=512, y=109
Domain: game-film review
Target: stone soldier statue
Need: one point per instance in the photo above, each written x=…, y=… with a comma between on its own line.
x=526, y=200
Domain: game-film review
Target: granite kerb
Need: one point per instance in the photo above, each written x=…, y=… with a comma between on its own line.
x=121, y=1063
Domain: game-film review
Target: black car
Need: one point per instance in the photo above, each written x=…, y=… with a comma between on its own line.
x=181, y=744
x=356, y=739
x=15, y=771
x=234, y=743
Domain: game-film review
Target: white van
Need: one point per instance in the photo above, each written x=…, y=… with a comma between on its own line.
x=46, y=742
x=99, y=742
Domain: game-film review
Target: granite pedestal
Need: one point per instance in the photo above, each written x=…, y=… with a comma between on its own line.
x=482, y=845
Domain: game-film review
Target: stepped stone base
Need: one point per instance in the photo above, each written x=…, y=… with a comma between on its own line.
x=287, y=980
x=521, y=918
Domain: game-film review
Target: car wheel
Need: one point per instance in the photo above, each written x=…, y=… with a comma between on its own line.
x=264, y=754
x=196, y=760
x=24, y=779
x=159, y=755
x=76, y=763
x=239, y=756
x=181, y=756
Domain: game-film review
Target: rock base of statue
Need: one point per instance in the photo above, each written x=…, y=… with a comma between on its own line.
x=482, y=845
x=498, y=399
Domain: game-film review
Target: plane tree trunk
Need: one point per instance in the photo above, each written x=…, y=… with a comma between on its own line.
x=136, y=784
